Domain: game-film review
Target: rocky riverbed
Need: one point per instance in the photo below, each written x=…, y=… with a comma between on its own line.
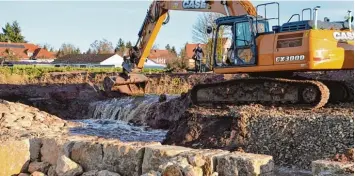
x=36, y=143
x=93, y=134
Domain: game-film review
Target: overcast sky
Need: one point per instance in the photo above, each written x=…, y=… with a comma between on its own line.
x=82, y=22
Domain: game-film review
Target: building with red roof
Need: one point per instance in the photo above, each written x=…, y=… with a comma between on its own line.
x=26, y=51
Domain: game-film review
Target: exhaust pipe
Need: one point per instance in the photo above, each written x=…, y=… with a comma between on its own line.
x=315, y=16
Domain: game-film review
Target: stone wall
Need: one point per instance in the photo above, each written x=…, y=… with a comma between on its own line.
x=72, y=156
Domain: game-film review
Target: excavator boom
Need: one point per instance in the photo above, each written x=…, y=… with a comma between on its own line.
x=131, y=82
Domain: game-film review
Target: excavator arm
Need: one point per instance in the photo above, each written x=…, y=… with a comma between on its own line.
x=158, y=13
x=130, y=81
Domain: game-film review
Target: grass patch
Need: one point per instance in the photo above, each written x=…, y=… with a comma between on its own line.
x=32, y=71
x=22, y=74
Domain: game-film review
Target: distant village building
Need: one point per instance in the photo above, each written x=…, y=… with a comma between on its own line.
x=161, y=56
x=26, y=52
x=96, y=60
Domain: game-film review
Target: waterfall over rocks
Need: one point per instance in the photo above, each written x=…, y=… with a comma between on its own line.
x=144, y=110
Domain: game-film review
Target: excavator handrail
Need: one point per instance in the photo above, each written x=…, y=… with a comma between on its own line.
x=310, y=13
x=265, y=18
x=296, y=14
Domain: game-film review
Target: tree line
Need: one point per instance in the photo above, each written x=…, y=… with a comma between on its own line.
x=12, y=32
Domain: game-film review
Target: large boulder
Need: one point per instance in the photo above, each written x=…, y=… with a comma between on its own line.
x=51, y=149
x=125, y=158
x=88, y=154
x=192, y=171
x=173, y=170
x=15, y=157
x=238, y=163
x=38, y=166
x=107, y=173
x=154, y=156
x=38, y=174
x=35, y=149
x=67, y=167
x=205, y=159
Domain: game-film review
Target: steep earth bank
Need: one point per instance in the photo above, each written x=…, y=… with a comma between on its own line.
x=69, y=95
x=292, y=136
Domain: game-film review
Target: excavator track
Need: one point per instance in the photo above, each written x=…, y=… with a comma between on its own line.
x=340, y=91
x=267, y=91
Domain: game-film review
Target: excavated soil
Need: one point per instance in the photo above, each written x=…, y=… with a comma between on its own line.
x=69, y=95
x=293, y=136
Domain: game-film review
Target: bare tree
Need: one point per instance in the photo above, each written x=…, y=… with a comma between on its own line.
x=47, y=47
x=102, y=47
x=67, y=48
x=200, y=34
x=199, y=31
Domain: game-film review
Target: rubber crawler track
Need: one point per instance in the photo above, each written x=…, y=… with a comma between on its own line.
x=289, y=86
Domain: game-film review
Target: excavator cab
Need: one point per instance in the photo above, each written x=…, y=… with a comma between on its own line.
x=234, y=39
x=234, y=42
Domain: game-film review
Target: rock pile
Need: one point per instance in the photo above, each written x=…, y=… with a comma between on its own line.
x=19, y=121
x=294, y=137
x=38, y=144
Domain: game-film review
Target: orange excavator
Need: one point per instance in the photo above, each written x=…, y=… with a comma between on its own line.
x=269, y=56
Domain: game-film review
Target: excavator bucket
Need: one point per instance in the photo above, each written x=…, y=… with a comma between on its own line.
x=131, y=84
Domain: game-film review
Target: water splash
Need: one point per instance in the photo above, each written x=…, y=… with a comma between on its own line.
x=111, y=118
x=117, y=129
x=125, y=109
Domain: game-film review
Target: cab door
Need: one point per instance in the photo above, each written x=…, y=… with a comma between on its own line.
x=244, y=44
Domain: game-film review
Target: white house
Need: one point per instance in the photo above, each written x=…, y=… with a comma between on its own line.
x=97, y=60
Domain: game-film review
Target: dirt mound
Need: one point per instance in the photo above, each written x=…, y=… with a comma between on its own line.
x=293, y=136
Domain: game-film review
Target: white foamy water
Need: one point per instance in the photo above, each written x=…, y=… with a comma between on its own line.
x=110, y=119
x=125, y=109
x=118, y=129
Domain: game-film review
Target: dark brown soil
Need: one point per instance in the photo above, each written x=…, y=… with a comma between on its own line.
x=294, y=136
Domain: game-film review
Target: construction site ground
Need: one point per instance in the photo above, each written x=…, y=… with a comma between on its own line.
x=38, y=118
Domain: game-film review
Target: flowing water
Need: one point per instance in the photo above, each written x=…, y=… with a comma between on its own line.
x=119, y=130
x=110, y=119
x=124, y=109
